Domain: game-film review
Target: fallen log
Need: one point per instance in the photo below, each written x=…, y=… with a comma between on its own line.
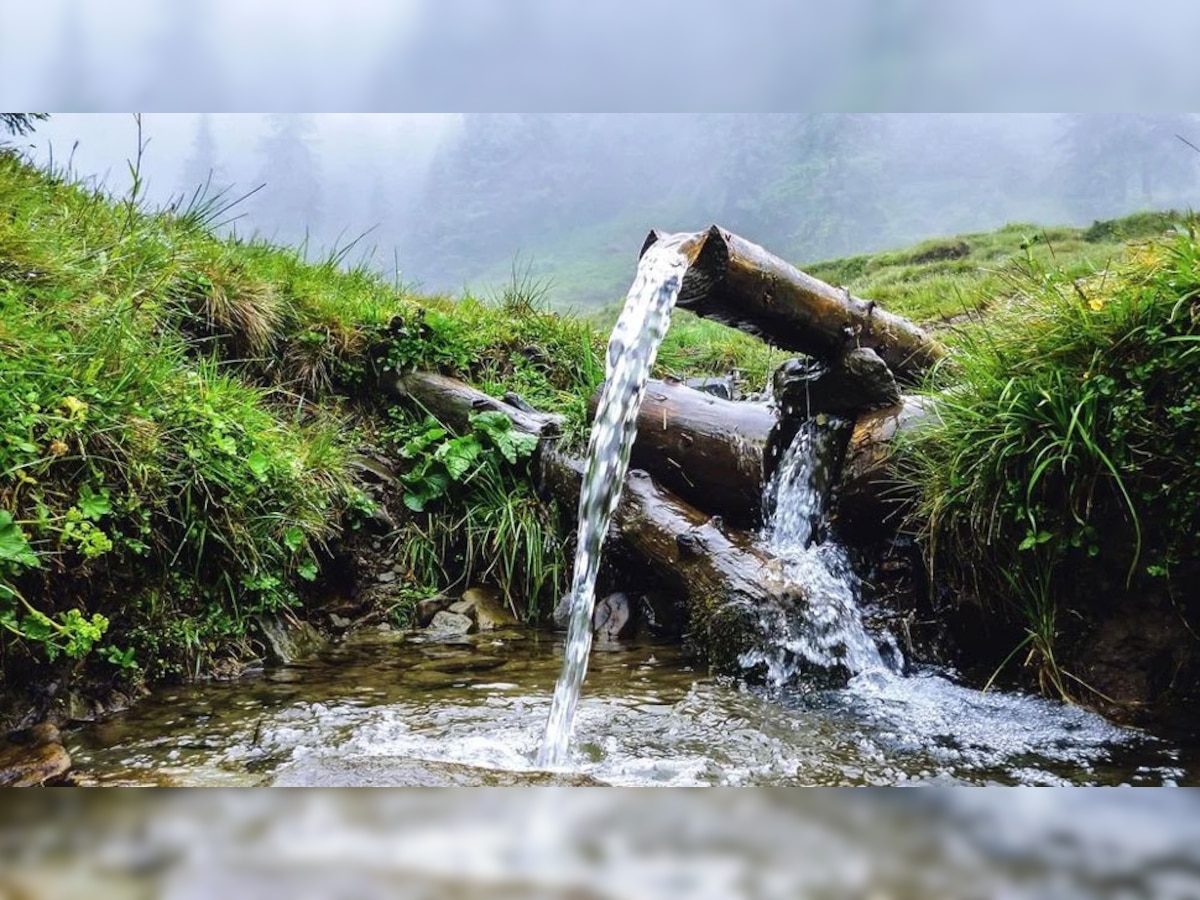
x=741, y=284
x=452, y=402
x=711, y=452
x=726, y=580
x=869, y=497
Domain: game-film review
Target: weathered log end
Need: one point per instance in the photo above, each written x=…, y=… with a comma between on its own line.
x=739, y=283
x=869, y=499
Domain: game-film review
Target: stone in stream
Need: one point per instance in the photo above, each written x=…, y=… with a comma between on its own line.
x=430, y=607
x=612, y=616
x=289, y=640
x=451, y=624
x=722, y=386
x=387, y=771
x=489, y=609
x=32, y=756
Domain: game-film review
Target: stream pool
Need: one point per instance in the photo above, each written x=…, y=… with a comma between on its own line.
x=384, y=708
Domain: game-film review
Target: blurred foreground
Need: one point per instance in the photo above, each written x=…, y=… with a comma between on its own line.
x=555, y=843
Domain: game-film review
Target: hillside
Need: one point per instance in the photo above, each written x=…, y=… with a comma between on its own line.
x=185, y=420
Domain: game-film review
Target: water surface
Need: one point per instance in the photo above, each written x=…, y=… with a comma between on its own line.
x=381, y=708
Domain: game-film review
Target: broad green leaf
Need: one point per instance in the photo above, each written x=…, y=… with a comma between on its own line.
x=14, y=548
x=293, y=537
x=94, y=506
x=257, y=463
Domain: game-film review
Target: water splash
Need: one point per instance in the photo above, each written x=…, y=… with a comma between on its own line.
x=632, y=349
x=827, y=630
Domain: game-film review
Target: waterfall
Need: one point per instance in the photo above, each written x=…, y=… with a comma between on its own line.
x=828, y=631
x=632, y=349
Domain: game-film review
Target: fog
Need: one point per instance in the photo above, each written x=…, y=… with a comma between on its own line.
x=458, y=201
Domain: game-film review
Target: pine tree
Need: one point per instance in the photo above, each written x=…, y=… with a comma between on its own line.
x=290, y=203
x=202, y=168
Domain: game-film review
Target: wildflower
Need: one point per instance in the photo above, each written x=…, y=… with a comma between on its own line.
x=57, y=448
x=1096, y=304
x=75, y=407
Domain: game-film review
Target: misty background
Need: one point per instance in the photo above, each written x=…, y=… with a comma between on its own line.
x=457, y=202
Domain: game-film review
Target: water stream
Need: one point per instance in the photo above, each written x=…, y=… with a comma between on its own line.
x=632, y=349
x=385, y=708
x=827, y=632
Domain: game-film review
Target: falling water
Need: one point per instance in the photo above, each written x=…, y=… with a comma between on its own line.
x=631, y=352
x=827, y=631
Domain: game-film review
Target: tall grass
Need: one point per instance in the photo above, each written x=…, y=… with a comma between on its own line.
x=1060, y=471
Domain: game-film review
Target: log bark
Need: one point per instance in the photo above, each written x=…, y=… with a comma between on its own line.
x=729, y=584
x=741, y=284
x=711, y=452
x=869, y=497
x=452, y=402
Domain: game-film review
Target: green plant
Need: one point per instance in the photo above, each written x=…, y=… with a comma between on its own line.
x=1060, y=465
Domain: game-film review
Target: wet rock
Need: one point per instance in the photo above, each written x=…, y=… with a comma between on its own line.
x=464, y=608
x=383, y=771
x=858, y=381
x=456, y=665
x=340, y=622
x=32, y=756
x=451, y=623
x=290, y=640
x=722, y=387
x=491, y=612
x=386, y=577
x=612, y=618
x=429, y=607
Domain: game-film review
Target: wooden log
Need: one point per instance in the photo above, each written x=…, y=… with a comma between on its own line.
x=452, y=402
x=739, y=283
x=711, y=452
x=870, y=498
x=728, y=582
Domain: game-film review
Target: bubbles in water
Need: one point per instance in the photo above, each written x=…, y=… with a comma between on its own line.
x=824, y=629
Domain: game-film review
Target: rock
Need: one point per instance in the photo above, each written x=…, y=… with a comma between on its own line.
x=722, y=387
x=456, y=665
x=562, y=611
x=451, y=623
x=430, y=607
x=612, y=618
x=464, y=608
x=289, y=640
x=491, y=612
x=386, y=577
x=386, y=771
x=32, y=756
x=338, y=621
x=858, y=381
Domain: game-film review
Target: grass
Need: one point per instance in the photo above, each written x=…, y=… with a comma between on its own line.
x=177, y=413
x=946, y=278
x=1060, y=474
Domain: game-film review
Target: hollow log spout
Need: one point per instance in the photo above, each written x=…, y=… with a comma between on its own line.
x=739, y=283
x=710, y=451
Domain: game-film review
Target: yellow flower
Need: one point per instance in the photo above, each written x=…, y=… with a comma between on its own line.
x=1096, y=304
x=74, y=406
